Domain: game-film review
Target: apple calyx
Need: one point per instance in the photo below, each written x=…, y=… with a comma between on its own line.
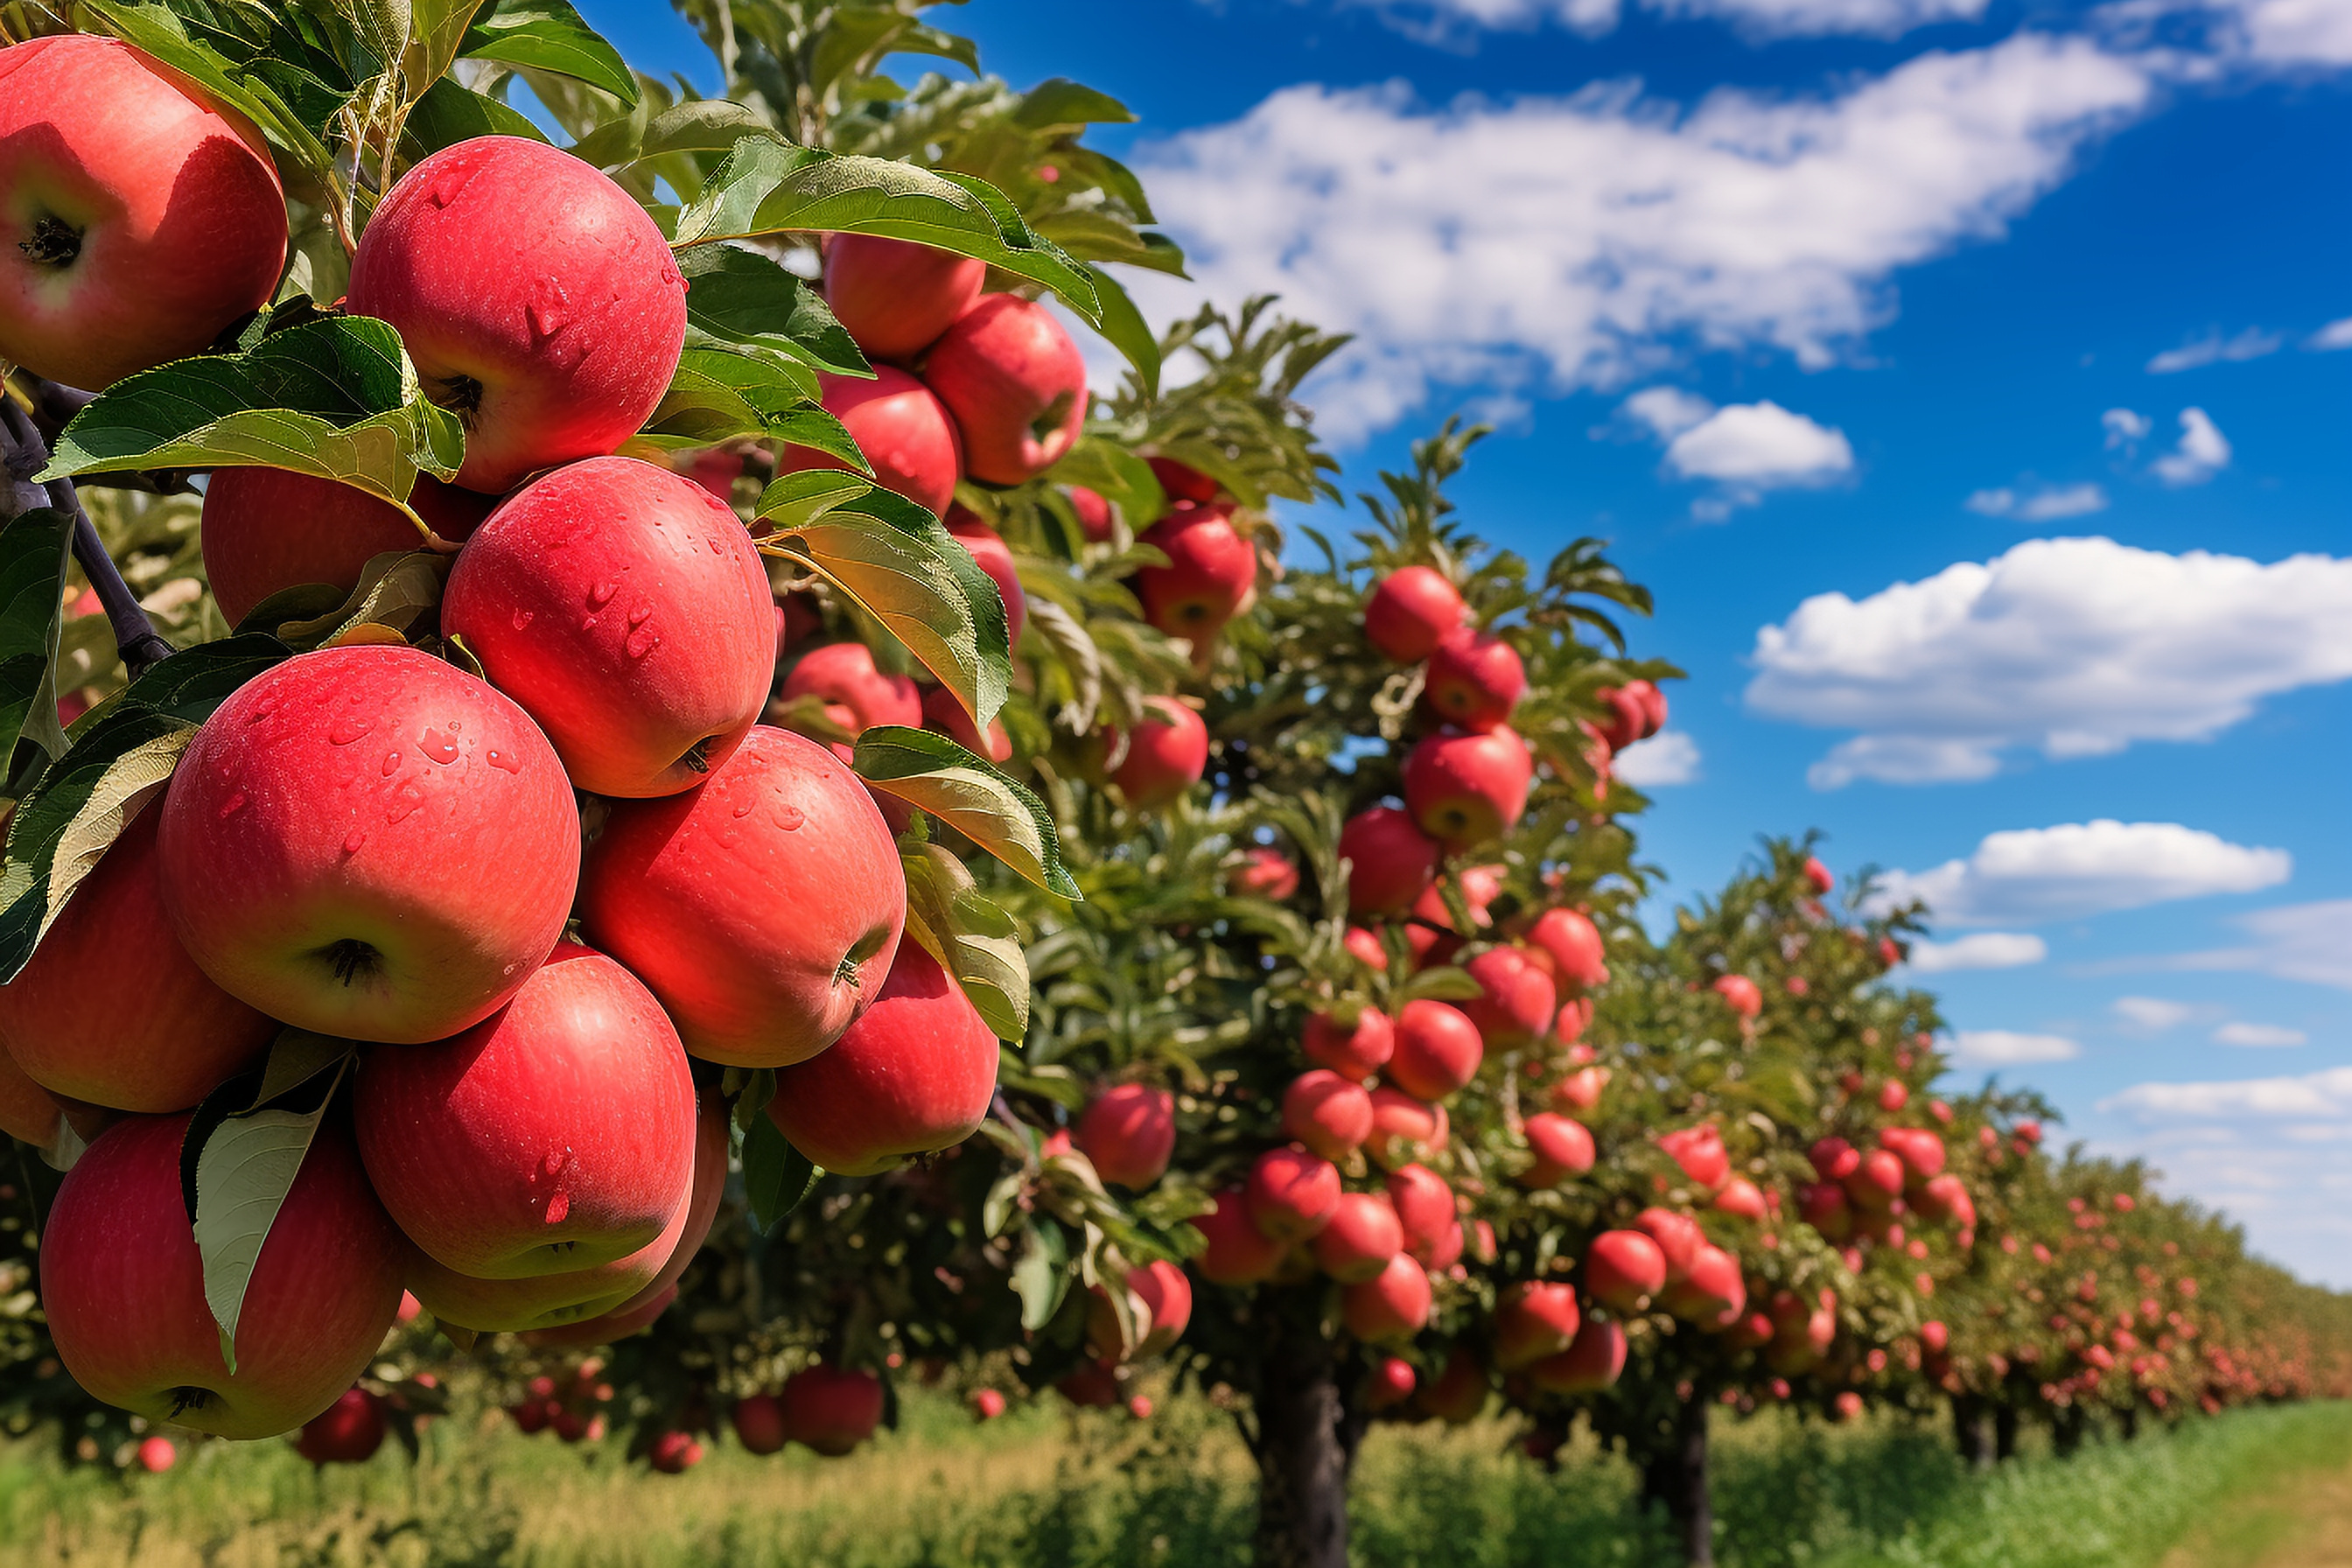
x=350, y=958
x=55, y=242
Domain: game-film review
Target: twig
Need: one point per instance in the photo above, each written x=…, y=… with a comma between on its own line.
x=135, y=636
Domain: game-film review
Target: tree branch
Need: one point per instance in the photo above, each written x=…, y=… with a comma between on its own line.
x=135, y=636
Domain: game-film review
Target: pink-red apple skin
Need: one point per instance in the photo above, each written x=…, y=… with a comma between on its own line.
x=1238, y=1252
x=1571, y=945
x=1412, y=612
x=856, y=694
x=1593, y=1362
x=1167, y=1290
x=1740, y=993
x=1128, y=1132
x=367, y=842
x=1516, y=1001
x=1360, y=1238
x=1184, y=484
x=626, y=610
x=1438, y=1049
x=1535, y=1319
x=944, y=714
x=138, y=219
x=154, y=1036
x=1016, y=384
x=27, y=1111
x=347, y=1432
x=1166, y=756
x=1355, y=1052
x=556, y=1134
x=674, y=1453
x=265, y=529
x=1622, y=1269
x=1404, y=1129
x=1391, y=861
x=1459, y=1391
x=1292, y=1193
x=1424, y=1210
x=994, y=557
x=1210, y=572
x=896, y=297
x=1330, y=1114
x=758, y=1422
x=1475, y=679
x=523, y=1303
x=122, y=1286
x=1563, y=1149
x=1392, y=1306
x=557, y=340
x=913, y=1074
x=831, y=1409
x=1094, y=513
x=683, y=891
x=906, y=435
x=1467, y=788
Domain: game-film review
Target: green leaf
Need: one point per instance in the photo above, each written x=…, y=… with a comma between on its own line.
x=897, y=564
x=1003, y=1201
x=719, y=393
x=155, y=30
x=1123, y=326
x=450, y=113
x=698, y=125
x=248, y=1167
x=34, y=547
x=548, y=36
x=777, y=1177
x=1060, y=102
x=767, y=188
x=335, y=397
x=972, y=938
x=1000, y=814
x=1116, y=474
x=740, y=299
x=395, y=590
x=437, y=30
x=1042, y=1274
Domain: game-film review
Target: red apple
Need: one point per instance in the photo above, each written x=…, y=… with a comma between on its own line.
x=1366, y=949
x=674, y=1453
x=138, y=219
x=1424, y=1211
x=1238, y=1252
x=150, y=1036
x=1430, y=933
x=758, y=1422
x=943, y=714
x=157, y=1455
x=1355, y=1051
x=1468, y=788
x=1211, y=570
x=367, y=842
x=27, y=1111
x=1390, y=1383
x=987, y=1404
x=1533, y=1319
x=1404, y=1129
x=1817, y=876
x=903, y=431
x=1264, y=872
x=1411, y=612
x=1475, y=679
x=1167, y=1291
x=1516, y=1002
x=1946, y=1200
x=914, y=1073
x=685, y=890
x=1571, y=943
x=1877, y=1181
x=896, y=297
x=1184, y=484
x=555, y=1135
x=1166, y=756
x=1360, y=1238
x=1935, y=1338
x=1678, y=1237
x=1292, y=1193
x=1824, y=1207
x=1711, y=1294
x=1629, y=715
x=1460, y=1390
x=1740, y=1197
x=1328, y=1113
x=1593, y=1362
x=606, y=1293
x=1740, y=993
x=1094, y=513
x=1390, y=1307
x=268, y=529
x=1562, y=1148
x=1390, y=861
x=831, y=1409
x=1016, y=384
x=1582, y=1089
x=122, y=1287
x=1700, y=1153
x=628, y=613
x=994, y=557
x=1834, y=1159
x=347, y=1432
x=1438, y=1049
x=855, y=693
x=1893, y=1095
x=1128, y=1132
x=554, y=343
x=1922, y=1151
x=1623, y=1268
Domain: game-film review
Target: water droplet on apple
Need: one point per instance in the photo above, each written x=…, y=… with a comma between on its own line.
x=352, y=840
x=391, y=763
x=438, y=746
x=521, y=620
x=559, y=1203
x=550, y=308
x=232, y=805
x=601, y=594
x=790, y=816
x=344, y=731
x=643, y=641
x=745, y=807
x=641, y=615
x=405, y=804
x=505, y=762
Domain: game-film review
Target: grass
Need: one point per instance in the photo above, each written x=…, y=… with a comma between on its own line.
x=1043, y=1489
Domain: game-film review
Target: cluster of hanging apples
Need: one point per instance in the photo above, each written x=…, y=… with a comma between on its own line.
x=369, y=843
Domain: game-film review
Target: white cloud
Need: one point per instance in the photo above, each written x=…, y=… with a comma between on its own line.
x=2289, y=32
x=2123, y=427
x=2027, y=876
x=2047, y=504
x=2077, y=647
x=2325, y=1093
x=2212, y=349
x=1666, y=411
x=1585, y=240
x=1452, y=22
x=2203, y=451
x=1985, y=950
x=2006, y=1048
x=1670, y=757
x=2310, y=942
x=2334, y=335
x=2259, y=1034
x=1760, y=444
x=2153, y=1013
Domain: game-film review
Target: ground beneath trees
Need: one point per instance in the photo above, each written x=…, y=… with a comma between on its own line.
x=2302, y=1521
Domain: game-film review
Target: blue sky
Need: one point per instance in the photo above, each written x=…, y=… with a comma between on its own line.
x=1804, y=297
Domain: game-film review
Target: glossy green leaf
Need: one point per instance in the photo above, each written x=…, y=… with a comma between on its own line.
x=777, y=1177
x=156, y=31
x=698, y=125
x=548, y=36
x=248, y=1166
x=996, y=812
x=721, y=392
x=35, y=548
x=450, y=113
x=1041, y=1276
x=972, y=938
x=743, y=300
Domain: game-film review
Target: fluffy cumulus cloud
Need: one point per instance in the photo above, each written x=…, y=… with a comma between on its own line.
x=1983, y=950
x=2075, y=647
x=2006, y=1048
x=1746, y=449
x=2283, y=33
x=2027, y=876
x=2259, y=1034
x=1586, y=240
x=2331, y=337
x=2046, y=504
x=1670, y=757
x=2202, y=452
x=2309, y=943
x=2213, y=349
x=2328, y=1093
x=1456, y=22
x=2153, y=1014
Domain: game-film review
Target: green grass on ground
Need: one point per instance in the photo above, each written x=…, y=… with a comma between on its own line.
x=1041, y=1489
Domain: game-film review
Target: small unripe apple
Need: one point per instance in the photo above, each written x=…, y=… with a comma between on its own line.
x=1438, y=1049
x=994, y=557
x=1475, y=679
x=1467, y=788
x=1563, y=1149
x=1360, y=1237
x=263, y=530
x=1516, y=1001
x=1166, y=756
x=1128, y=1132
x=896, y=297
x=1016, y=384
x=1330, y=1114
x=1355, y=1053
x=138, y=219
x=1238, y=1252
x=1391, y=861
x=554, y=343
x=1390, y=1307
x=1210, y=572
x=1623, y=1268
x=1572, y=943
x=347, y=1432
x=906, y=434
x=1535, y=1319
x=1411, y=612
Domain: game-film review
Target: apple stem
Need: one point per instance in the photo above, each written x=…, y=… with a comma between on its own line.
x=134, y=635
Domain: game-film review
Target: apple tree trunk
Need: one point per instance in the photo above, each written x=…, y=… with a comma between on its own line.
x=2004, y=1431
x=1973, y=1431
x=1303, y=1438
x=1674, y=1476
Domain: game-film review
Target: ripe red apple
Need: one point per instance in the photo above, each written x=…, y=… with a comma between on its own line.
x=1460, y=1390
x=994, y=557
x=1563, y=1149
x=1094, y=513
x=1892, y=1096
x=1167, y=1291
x=1475, y=679
x=1016, y=384
x=1360, y=1238
x=1741, y=993
x=1128, y=1132
x=1823, y=1207
x=1569, y=941
x=138, y=219
x=1438, y=1049
x=122, y=1287
x=1946, y=1200
x=1264, y=872
x=367, y=842
x=758, y=1422
x=1210, y=572
x=896, y=297
x=1877, y=1181
x=604, y=1292
x=943, y=714
x=150, y=1036
x=627, y=611
x=1935, y=1338
x=1366, y=949
x=1817, y=876
x=674, y=1453
x=1533, y=1319
x=555, y=1135
x=1700, y=1153
x=157, y=1455
x=1740, y=1197
x=1411, y=612
x=27, y=1111
x=1516, y=1002
x=1292, y=1193
x=1391, y=861
x=1390, y=1383
x=1166, y=756
x=987, y=1404
x=1678, y=1237
x=1628, y=715
x=831, y=1409
x=1922, y=1151
x=1430, y=933
x=555, y=343
x=855, y=693
x=1184, y=484
x=1238, y=1252
x=1404, y=1129
x=1623, y=1268
x=268, y=529
x=1593, y=1362
x=347, y=1432
x=1468, y=788
x=1834, y=1159
x=1353, y=1052
x=685, y=890
x=1582, y=1089
x=1711, y=1294
x=914, y=1073
x=1330, y=1114
x=1425, y=1211
x=1390, y=1307
x=905, y=433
